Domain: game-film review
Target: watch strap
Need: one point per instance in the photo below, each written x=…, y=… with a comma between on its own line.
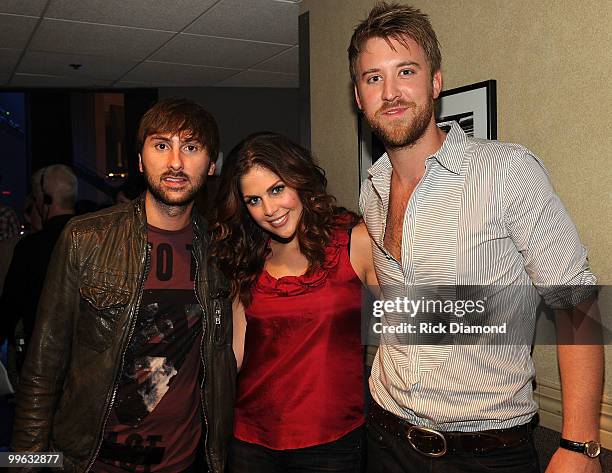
x=571, y=445
x=590, y=449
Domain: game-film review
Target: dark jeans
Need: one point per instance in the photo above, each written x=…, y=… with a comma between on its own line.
x=389, y=454
x=340, y=456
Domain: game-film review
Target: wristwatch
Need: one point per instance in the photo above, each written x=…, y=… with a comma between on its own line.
x=591, y=448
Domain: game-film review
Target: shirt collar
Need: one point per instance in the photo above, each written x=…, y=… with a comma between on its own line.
x=452, y=152
x=450, y=155
x=381, y=168
x=380, y=176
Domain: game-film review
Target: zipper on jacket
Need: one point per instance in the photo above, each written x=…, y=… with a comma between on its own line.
x=217, y=312
x=147, y=261
x=202, y=395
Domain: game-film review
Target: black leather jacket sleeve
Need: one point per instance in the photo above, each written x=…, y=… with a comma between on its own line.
x=49, y=351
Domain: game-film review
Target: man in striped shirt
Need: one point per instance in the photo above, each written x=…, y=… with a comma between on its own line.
x=447, y=210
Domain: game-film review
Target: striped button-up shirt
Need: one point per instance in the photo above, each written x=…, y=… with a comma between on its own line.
x=485, y=214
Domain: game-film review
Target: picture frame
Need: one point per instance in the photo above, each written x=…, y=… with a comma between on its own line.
x=473, y=106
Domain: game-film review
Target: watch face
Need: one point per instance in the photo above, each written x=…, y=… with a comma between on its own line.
x=592, y=449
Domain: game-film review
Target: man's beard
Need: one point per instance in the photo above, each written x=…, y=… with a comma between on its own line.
x=168, y=197
x=403, y=132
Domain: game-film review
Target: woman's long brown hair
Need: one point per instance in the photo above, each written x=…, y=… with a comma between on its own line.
x=239, y=244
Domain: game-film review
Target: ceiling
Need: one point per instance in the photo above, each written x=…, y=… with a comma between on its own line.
x=149, y=43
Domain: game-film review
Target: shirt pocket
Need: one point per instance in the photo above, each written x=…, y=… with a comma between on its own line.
x=100, y=309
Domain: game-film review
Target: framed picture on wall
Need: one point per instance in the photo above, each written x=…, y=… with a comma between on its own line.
x=473, y=106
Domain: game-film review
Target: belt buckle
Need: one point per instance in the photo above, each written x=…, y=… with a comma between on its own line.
x=429, y=432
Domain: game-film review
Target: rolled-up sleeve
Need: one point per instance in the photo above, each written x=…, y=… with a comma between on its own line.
x=543, y=232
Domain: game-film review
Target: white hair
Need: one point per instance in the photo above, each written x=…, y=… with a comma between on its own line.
x=59, y=182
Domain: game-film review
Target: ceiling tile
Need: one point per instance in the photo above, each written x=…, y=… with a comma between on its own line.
x=177, y=75
x=15, y=30
x=161, y=15
x=45, y=80
x=261, y=79
x=287, y=62
x=88, y=38
x=8, y=59
x=22, y=7
x=111, y=37
x=259, y=20
x=35, y=62
x=218, y=52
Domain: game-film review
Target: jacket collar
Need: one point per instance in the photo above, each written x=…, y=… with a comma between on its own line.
x=199, y=224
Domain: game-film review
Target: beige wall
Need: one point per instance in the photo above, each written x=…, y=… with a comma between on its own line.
x=551, y=60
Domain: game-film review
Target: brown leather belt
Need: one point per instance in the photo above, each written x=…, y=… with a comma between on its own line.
x=433, y=443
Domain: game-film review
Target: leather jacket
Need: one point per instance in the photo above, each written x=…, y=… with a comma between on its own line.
x=85, y=320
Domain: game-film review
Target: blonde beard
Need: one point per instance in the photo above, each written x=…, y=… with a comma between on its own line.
x=406, y=132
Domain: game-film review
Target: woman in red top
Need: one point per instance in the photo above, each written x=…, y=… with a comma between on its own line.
x=297, y=264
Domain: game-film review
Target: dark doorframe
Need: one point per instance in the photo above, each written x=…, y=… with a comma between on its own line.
x=304, y=54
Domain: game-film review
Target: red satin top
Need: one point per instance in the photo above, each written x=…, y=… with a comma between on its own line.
x=301, y=382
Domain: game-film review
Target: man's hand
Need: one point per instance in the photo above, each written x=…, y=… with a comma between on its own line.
x=566, y=461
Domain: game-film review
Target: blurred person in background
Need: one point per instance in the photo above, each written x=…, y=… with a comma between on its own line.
x=54, y=189
x=9, y=233
x=10, y=226
x=9, y=223
x=31, y=216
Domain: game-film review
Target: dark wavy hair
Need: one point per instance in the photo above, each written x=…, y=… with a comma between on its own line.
x=239, y=245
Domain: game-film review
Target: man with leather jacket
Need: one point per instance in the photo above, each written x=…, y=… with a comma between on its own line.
x=130, y=366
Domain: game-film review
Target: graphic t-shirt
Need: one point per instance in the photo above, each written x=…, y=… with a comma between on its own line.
x=157, y=405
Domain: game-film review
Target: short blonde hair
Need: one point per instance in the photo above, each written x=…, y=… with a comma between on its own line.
x=398, y=22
